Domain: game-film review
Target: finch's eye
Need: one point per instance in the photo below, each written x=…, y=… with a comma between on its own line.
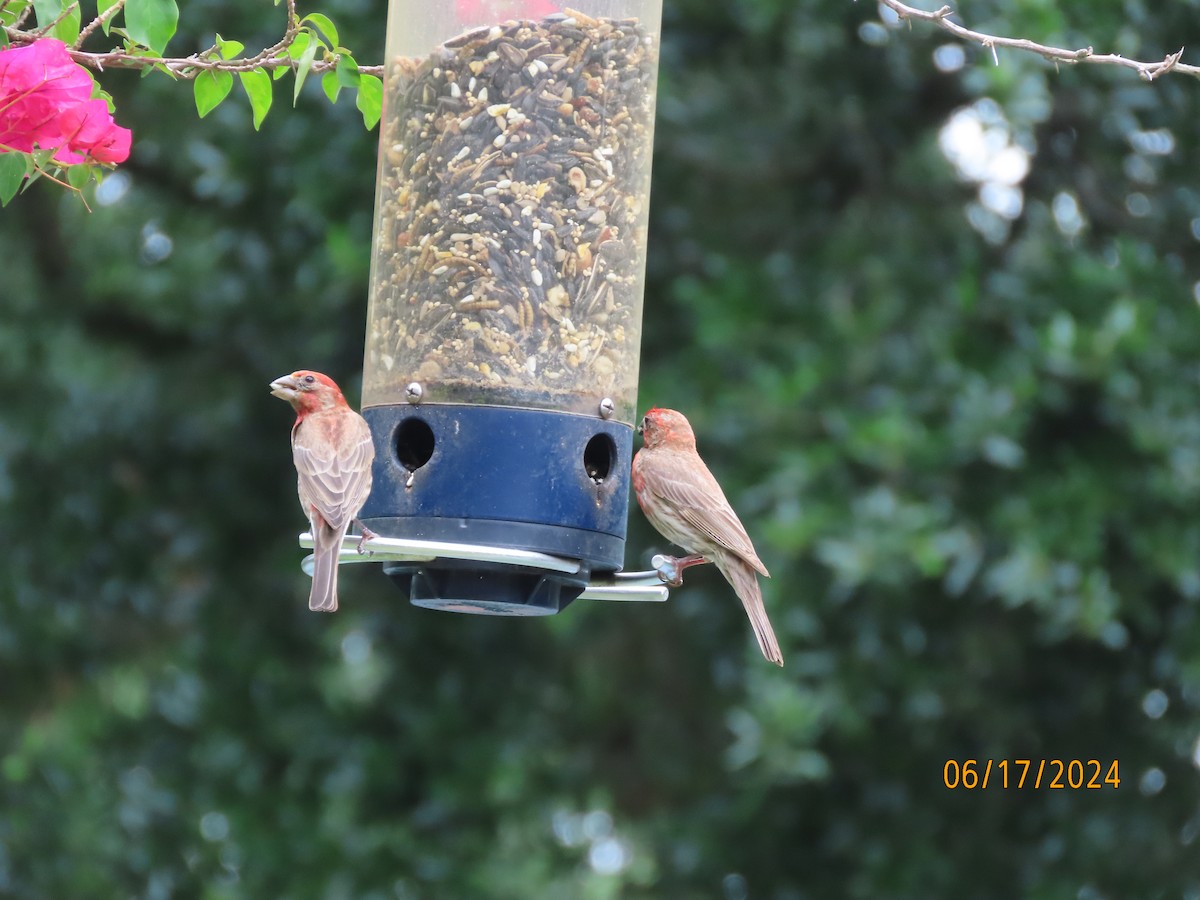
x=308, y=379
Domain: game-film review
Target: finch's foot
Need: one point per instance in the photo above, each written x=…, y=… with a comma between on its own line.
x=670, y=568
x=367, y=535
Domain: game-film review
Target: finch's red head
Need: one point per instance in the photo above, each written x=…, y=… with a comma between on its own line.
x=667, y=428
x=308, y=391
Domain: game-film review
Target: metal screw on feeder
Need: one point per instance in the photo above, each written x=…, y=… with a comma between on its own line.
x=501, y=364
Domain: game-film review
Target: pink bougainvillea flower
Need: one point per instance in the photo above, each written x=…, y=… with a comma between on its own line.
x=90, y=131
x=44, y=66
x=46, y=103
x=113, y=147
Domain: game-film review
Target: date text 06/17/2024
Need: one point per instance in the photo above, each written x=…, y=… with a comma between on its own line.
x=1026, y=774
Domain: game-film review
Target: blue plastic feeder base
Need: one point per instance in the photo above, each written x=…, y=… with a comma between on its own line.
x=524, y=479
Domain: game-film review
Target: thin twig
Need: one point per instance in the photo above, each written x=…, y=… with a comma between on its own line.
x=22, y=16
x=97, y=22
x=941, y=18
x=269, y=58
x=62, y=15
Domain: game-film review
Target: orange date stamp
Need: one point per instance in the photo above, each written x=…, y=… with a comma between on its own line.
x=1031, y=774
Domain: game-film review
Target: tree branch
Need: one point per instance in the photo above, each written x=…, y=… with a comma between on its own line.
x=67, y=10
x=1148, y=71
x=97, y=22
x=269, y=58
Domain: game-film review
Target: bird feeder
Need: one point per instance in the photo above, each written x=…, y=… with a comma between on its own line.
x=501, y=363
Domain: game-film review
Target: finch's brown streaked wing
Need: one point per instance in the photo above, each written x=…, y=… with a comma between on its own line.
x=334, y=466
x=690, y=489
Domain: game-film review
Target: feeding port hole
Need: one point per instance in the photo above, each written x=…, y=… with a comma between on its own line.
x=414, y=443
x=598, y=457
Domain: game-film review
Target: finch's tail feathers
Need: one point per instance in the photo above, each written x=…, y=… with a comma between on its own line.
x=745, y=584
x=327, y=548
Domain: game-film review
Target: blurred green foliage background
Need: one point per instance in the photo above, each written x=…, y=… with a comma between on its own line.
x=935, y=321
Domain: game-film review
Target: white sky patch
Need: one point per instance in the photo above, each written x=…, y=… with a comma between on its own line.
x=979, y=144
x=949, y=58
x=978, y=141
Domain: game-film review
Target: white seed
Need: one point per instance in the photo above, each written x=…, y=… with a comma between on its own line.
x=455, y=90
x=504, y=184
x=499, y=141
x=537, y=277
x=440, y=270
x=461, y=154
x=498, y=109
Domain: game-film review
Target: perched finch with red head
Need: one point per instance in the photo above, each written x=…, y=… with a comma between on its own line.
x=682, y=499
x=332, y=449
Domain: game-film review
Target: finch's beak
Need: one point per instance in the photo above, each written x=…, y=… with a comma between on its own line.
x=284, y=388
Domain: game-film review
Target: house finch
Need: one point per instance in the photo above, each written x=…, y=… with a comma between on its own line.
x=332, y=449
x=682, y=499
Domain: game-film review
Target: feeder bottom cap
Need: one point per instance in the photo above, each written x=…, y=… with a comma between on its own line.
x=484, y=607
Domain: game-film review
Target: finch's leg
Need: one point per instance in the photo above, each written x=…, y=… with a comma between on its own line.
x=367, y=534
x=670, y=569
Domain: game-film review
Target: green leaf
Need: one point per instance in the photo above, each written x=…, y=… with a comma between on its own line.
x=302, y=66
x=49, y=10
x=41, y=160
x=280, y=72
x=370, y=99
x=326, y=27
x=13, y=169
x=331, y=86
x=9, y=15
x=78, y=176
x=151, y=23
x=211, y=88
x=257, y=85
x=297, y=47
x=347, y=71
x=229, y=49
